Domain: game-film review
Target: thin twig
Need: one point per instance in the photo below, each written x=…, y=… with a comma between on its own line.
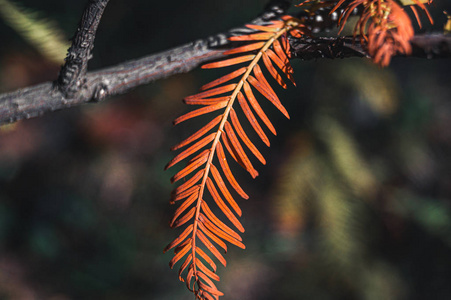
x=73, y=73
x=423, y=46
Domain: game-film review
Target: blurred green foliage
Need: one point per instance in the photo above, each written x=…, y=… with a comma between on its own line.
x=44, y=35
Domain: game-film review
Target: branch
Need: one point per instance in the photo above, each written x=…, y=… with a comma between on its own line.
x=74, y=86
x=423, y=46
x=72, y=75
x=96, y=86
x=34, y=101
x=432, y=46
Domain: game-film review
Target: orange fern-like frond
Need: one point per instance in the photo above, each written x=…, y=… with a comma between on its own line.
x=208, y=172
x=384, y=25
x=420, y=4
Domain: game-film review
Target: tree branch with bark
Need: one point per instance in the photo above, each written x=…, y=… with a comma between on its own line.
x=75, y=85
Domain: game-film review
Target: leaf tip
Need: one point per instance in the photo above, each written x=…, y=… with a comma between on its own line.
x=170, y=164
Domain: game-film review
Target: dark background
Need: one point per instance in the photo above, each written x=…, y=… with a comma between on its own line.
x=354, y=202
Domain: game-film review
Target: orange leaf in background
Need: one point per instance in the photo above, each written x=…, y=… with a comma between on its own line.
x=384, y=25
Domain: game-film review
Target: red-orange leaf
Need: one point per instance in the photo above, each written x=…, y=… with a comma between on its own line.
x=179, y=255
x=279, y=23
x=214, y=193
x=180, y=247
x=274, y=99
x=273, y=71
x=211, y=247
x=245, y=48
x=239, y=150
x=229, y=62
x=224, y=190
x=185, y=218
x=199, y=133
x=280, y=52
x=242, y=134
x=286, y=45
x=206, y=228
x=261, y=36
x=193, y=165
x=210, y=288
x=200, y=111
x=187, y=203
x=228, y=174
x=213, y=92
x=423, y=7
x=181, y=238
x=184, y=265
x=186, y=193
x=223, y=79
x=206, y=258
x=269, y=94
x=261, y=79
x=213, y=237
x=199, y=155
x=208, y=101
x=297, y=33
x=206, y=270
x=187, y=184
x=214, y=229
x=285, y=68
x=189, y=277
x=210, y=217
x=257, y=108
x=252, y=120
x=207, y=296
x=191, y=150
x=231, y=150
x=263, y=28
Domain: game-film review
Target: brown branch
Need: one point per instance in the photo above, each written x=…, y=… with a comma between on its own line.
x=75, y=88
x=36, y=100
x=432, y=46
x=72, y=75
x=423, y=46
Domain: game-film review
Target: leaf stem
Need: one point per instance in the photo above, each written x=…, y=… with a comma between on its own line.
x=220, y=130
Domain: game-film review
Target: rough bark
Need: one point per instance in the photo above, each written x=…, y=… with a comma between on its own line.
x=76, y=86
x=429, y=46
x=73, y=73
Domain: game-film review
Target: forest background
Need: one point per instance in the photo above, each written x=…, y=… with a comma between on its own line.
x=354, y=202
